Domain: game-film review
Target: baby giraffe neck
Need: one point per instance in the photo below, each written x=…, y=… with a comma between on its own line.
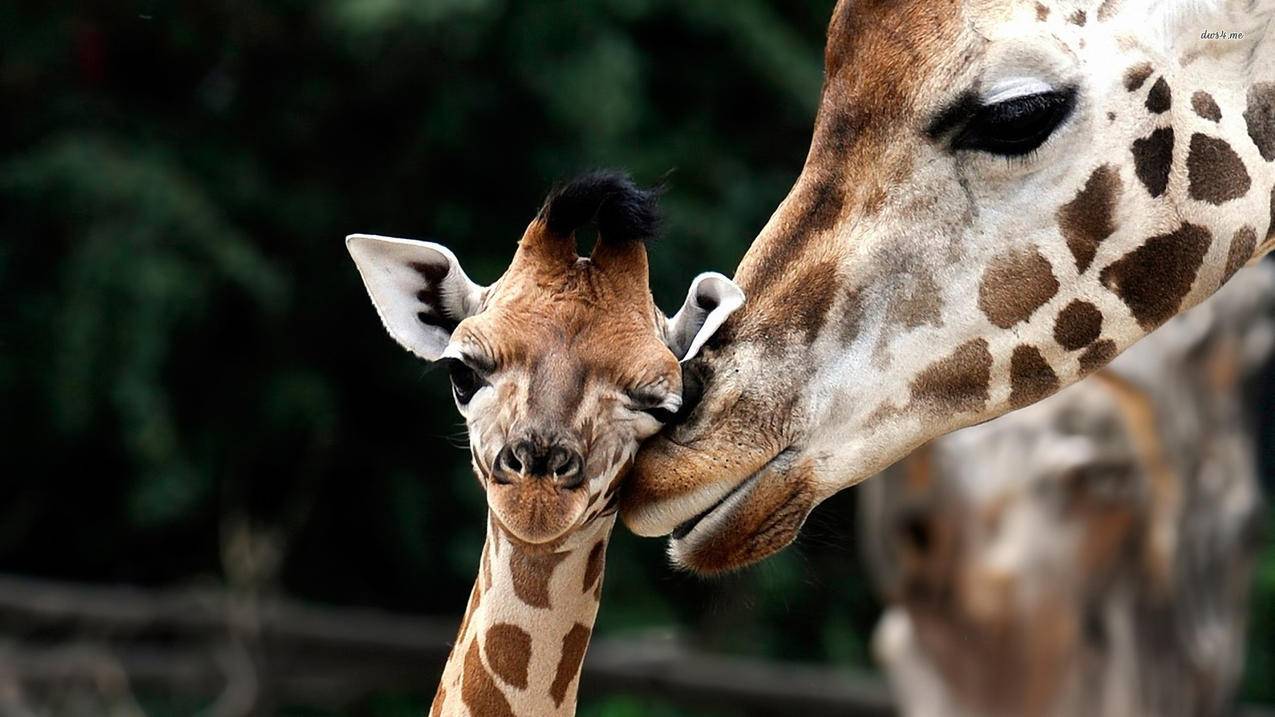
x=523, y=638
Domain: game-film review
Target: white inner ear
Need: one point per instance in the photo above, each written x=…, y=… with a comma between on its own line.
x=711, y=300
x=418, y=288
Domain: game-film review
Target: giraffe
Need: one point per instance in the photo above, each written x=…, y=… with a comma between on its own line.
x=1000, y=196
x=1045, y=563
x=559, y=368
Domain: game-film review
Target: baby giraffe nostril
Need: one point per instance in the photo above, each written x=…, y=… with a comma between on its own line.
x=569, y=473
x=507, y=464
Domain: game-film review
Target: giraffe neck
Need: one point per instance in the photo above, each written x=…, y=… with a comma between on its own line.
x=523, y=638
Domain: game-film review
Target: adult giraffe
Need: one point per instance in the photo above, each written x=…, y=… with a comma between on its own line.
x=1000, y=197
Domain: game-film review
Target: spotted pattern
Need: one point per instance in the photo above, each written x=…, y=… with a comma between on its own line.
x=1160, y=98
x=1030, y=376
x=1089, y=218
x=1136, y=75
x=478, y=690
x=1153, y=279
x=1014, y=285
x=1205, y=106
x=1077, y=325
x=1107, y=9
x=530, y=574
x=1260, y=118
x=957, y=383
x=1099, y=354
x=593, y=565
x=574, y=644
x=1152, y=160
x=1243, y=244
x=1215, y=173
x=508, y=649
x=1078, y=18
x=1042, y=12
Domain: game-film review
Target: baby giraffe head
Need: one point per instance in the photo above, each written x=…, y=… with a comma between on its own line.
x=564, y=364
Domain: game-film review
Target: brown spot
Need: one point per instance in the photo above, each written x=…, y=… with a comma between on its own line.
x=1111, y=116
x=593, y=564
x=508, y=649
x=1215, y=173
x=851, y=316
x=1014, y=285
x=1136, y=75
x=1077, y=325
x=475, y=596
x=1153, y=279
x=431, y=298
x=1042, y=12
x=1153, y=158
x=1097, y=356
x=1205, y=106
x=959, y=382
x=1260, y=117
x=531, y=573
x=1077, y=18
x=806, y=299
x=1031, y=378
x=1243, y=244
x=1159, y=99
x=1089, y=218
x=440, y=697
x=1107, y=9
x=573, y=647
x=479, y=690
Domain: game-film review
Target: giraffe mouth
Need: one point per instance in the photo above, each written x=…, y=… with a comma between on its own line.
x=712, y=515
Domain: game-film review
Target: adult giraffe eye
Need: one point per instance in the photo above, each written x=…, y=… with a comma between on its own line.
x=1016, y=126
x=465, y=381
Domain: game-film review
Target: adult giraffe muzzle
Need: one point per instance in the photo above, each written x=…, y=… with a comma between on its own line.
x=999, y=198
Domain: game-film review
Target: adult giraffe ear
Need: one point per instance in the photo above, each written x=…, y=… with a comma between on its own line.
x=710, y=301
x=418, y=289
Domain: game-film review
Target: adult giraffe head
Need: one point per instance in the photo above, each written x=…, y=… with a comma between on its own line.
x=1000, y=197
x=563, y=364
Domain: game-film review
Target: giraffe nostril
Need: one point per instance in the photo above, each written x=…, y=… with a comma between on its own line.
x=569, y=473
x=507, y=465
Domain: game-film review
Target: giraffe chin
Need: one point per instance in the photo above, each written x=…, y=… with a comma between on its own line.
x=757, y=519
x=536, y=512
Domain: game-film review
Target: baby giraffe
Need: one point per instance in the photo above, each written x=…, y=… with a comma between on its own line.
x=560, y=368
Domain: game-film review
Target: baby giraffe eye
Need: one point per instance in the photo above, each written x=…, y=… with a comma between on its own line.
x=465, y=380
x=1016, y=126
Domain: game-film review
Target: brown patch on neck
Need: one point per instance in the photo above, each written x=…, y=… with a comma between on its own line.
x=1031, y=377
x=1107, y=9
x=1205, y=106
x=1260, y=118
x=1243, y=244
x=1097, y=355
x=530, y=574
x=1136, y=75
x=574, y=644
x=1153, y=159
x=1215, y=173
x=508, y=649
x=1042, y=12
x=957, y=383
x=1160, y=98
x=1077, y=325
x=1078, y=18
x=1153, y=279
x=1089, y=218
x=478, y=690
x=594, y=563
x=1014, y=285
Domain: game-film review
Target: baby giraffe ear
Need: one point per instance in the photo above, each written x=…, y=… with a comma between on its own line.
x=710, y=301
x=418, y=289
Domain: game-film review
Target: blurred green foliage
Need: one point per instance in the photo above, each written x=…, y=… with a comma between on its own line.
x=186, y=350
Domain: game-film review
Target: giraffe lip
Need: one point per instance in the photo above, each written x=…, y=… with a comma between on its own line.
x=686, y=527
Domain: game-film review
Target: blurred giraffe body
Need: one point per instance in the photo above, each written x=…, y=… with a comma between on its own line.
x=560, y=369
x=1091, y=554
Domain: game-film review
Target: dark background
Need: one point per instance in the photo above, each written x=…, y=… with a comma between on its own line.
x=194, y=386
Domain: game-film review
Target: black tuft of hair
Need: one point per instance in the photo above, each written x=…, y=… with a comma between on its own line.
x=608, y=199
